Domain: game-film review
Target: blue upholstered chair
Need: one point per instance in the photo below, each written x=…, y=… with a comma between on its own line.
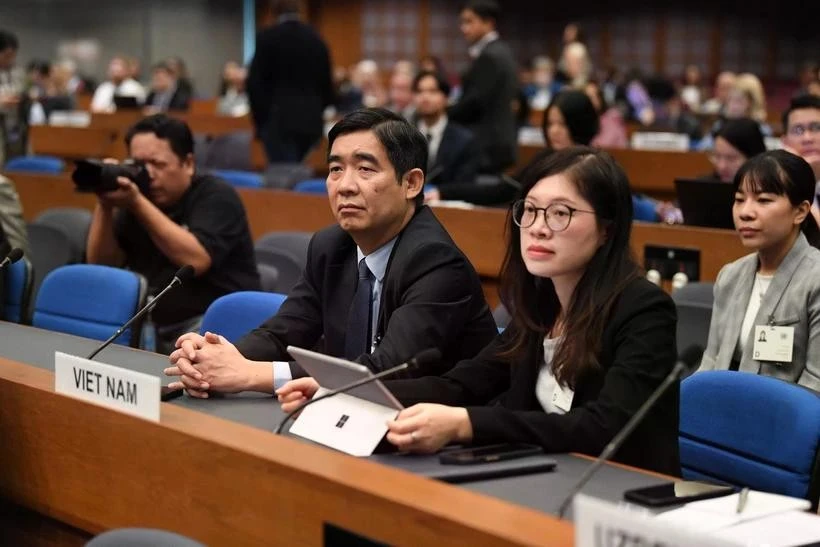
x=239, y=179
x=311, y=186
x=35, y=164
x=752, y=431
x=90, y=300
x=19, y=282
x=236, y=314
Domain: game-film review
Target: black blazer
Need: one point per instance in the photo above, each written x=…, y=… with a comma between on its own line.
x=457, y=160
x=489, y=88
x=289, y=81
x=637, y=353
x=431, y=297
x=180, y=100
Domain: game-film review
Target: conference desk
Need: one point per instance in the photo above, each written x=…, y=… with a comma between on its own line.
x=212, y=469
x=479, y=232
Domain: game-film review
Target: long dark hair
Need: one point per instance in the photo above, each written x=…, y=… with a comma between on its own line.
x=784, y=174
x=579, y=114
x=532, y=300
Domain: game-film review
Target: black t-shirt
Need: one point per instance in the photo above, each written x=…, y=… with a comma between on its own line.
x=212, y=212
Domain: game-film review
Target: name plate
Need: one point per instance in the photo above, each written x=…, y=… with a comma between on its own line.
x=113, y=387
x=602, y=524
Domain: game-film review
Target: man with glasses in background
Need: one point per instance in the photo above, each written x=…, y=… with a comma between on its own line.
x=801, y=136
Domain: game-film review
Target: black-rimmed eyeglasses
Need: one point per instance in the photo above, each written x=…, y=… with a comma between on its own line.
x=557, y=215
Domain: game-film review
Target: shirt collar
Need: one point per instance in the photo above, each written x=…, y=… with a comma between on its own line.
x=378, y=259
x=476, y=49
x=434, y=129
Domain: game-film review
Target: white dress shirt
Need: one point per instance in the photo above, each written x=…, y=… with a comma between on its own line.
x=476, y=49
x=377, y=264
x=103, y=100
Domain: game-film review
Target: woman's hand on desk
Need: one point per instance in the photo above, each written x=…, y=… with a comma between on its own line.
x=296, y=392
x=428, y=427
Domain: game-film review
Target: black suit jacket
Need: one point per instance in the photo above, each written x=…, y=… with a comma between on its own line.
x=637, y=353
x=431, y=297
x=289, y=81
x=180, y=100
x=457, y=160
x=489, y=88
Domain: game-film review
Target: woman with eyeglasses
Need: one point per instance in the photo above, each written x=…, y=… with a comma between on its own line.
x=589, y=341
x=775, y=290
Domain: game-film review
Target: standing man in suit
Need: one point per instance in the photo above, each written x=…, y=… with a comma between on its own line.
x=381, y=285
x=453, y=155
x=489, y=87
x=289, y=85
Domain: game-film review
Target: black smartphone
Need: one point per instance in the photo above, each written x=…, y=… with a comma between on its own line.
x=166, y=393
x=677, y=492
x=491, y=453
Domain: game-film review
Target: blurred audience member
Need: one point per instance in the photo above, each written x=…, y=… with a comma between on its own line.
x=572, y=33
x=233, y=100
x=50, y=94
x=489, y=87
x=612, y=132
x=801, y=136
x=670, y=114
x=570, y=120
x=180, y=71
x=543, y=87
x=166, y=93
x=746, y=99
x=134, y=68
x=119, y=83
x=431, y=63
x=637, y=100
x=724, y=83
x=289, y=85
x=11, y=215
x=348, y=96
x=809, y=77
x=453, y=154
x=692, y=91
x=576, y=65
x=400, y=94
x=12, y=81
x=738, y=140
x=367, y=80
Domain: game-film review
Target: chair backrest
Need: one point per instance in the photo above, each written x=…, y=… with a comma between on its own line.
x=18, y=285
x=236, y=314
x=90, y=300
x=750, y=430
x=311, y=186
x=239, y=179
x=296, y=243
x=229, y=151
x=288, y=268
x=35, y=164
x=74, y=222
x=49, y=248
x=141, y=537
x=268, y=277
x=694, y=305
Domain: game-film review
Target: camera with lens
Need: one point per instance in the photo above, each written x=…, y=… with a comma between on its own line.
x=97, y=176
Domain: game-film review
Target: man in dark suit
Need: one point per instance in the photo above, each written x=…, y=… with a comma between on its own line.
x=166, y=93
x=289, y=85
x=383, y=284
x=489, y=88
x=453, y=155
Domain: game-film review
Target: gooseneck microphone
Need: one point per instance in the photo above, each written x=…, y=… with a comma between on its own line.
x=423, y=357
x=13, y=256
x=183, y=275
x=688, y=359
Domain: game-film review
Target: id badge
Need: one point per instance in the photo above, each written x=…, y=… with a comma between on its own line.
x=773, y=343
x=562, y=397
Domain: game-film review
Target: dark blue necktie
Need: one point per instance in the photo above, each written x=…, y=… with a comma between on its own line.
x=357, y=339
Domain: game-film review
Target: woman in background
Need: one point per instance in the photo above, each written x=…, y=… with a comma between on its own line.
x=233, y=100
x=775, y=290
x=737, y=141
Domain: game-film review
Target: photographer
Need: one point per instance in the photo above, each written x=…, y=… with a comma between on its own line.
x=174, y=217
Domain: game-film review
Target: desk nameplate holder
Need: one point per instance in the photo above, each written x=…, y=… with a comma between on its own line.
x=115, y=388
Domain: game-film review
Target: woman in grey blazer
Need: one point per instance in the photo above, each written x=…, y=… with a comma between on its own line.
x=763, y=299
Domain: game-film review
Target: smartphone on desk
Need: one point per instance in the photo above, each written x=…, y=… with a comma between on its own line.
x=491, y=453
x=677, y=492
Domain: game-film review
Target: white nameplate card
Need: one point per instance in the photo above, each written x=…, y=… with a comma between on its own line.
x=120, y=389
x=344, y=422
x=602, y=524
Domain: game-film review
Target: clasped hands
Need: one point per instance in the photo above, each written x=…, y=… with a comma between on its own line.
x=209, y=362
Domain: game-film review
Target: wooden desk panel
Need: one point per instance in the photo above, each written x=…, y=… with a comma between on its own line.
x=74, y=142
x=224, y=483
x=478, y=232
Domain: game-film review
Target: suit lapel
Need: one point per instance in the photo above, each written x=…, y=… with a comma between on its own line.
x=737, y=309
x=341, y=278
